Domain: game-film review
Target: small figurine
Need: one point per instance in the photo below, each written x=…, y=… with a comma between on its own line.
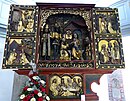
x=33, y=66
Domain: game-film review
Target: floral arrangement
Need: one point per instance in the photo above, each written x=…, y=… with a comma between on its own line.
x=34, y=90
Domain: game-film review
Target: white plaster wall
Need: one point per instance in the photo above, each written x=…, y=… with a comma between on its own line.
x=2, y=45
x=6, y=77
x=126, y=71
x=124, y=15
x=6, y=85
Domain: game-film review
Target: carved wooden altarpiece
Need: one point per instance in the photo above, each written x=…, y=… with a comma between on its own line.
x=73, y=45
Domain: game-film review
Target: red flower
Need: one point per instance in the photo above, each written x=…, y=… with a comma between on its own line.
x=40, y=87
x=36, y=91
x=43, y=89
x=32, y=95
x=35, y=82
x=27, y=98
x=40, y=99
x=25, y=88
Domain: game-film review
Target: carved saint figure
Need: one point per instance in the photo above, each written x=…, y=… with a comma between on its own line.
x=55, y=45
x=64, y=54
x=55, y=37
x=102, y=25
x=68, y=35
x=20, y=26
x=110, y=29
x=116, y=53
x=30, y=24
x=76, y=52
x=86, y=52
x=46, y=42
x=110, y=51
x=53, y=87
x=23, y=59
x=104, y=54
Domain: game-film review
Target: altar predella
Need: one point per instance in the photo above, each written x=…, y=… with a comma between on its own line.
x=71, y=44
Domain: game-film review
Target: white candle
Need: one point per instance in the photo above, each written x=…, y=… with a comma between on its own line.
x=82, y=97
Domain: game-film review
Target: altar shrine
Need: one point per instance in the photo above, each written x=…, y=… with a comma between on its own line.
x=71, y=45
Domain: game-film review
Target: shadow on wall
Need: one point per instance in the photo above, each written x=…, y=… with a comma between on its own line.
x=2, y=45
x=6, y=85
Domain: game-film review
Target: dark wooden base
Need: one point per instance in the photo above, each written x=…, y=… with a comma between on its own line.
x=66, y=70
x=89, y=75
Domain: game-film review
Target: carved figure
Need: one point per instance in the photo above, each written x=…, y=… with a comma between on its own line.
x=53, y=87
x=55, y=48
x=76, y=52
x=23, y=59
x=110, y=51
x=86, y=51
x=102, y=25
x=30, y=24
x=20, y=26
x=12, y=57
x=104, y=54
x=46, y=42
x=64, y=54
x=116, y=53
x=68, y=34
x=110, y=29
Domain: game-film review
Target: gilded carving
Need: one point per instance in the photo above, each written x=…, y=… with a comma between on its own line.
x=19, y=51
x=65, y=35
x=22, y=19
x=106, y=21
x=66, y=85
x=85, y=14
x=109, y=53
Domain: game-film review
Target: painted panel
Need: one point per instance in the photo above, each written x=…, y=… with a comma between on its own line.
x=108, y=40
x=20, y=46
